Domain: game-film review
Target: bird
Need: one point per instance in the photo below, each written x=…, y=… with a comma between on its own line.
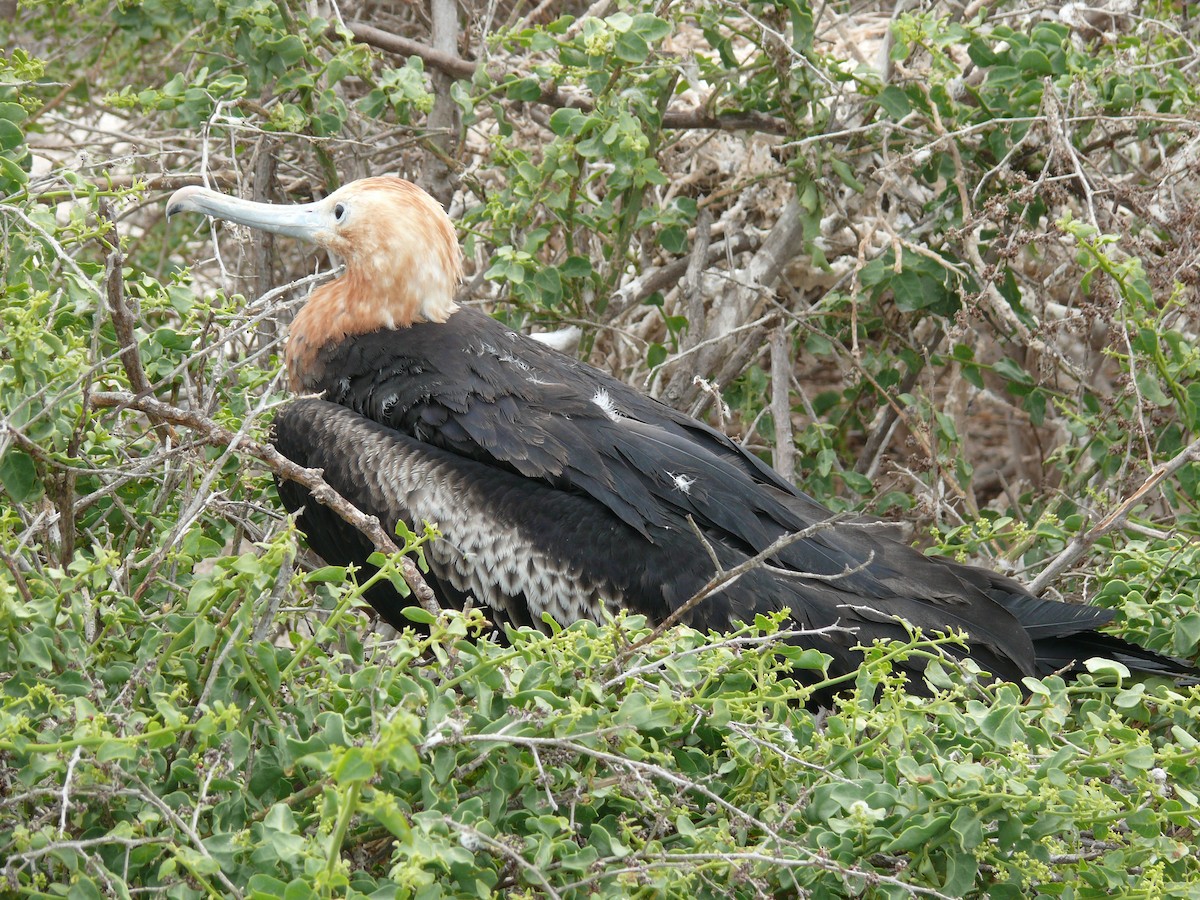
x=560, y=491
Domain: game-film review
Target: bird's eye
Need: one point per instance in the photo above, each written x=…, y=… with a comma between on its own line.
x=339, y=213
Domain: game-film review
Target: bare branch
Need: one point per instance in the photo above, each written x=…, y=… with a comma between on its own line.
x=311, y=479
x=123, y=320
x=450, y=63
x=638, y=289
x=743, y=298
x=455, y=66
x=443, y=118
x=641, y=768
x=781, y=406
x=725, y=577
x=1115, y=519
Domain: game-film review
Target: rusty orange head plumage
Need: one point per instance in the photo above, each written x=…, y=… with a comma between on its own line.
x=402, y=258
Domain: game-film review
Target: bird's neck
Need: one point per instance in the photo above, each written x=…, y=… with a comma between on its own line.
x=354, y=305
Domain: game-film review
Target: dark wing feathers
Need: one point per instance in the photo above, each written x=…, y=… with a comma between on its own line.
x=516, y=419
x=658, y=575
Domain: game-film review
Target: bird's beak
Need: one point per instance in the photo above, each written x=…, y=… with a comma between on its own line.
x=307, y=221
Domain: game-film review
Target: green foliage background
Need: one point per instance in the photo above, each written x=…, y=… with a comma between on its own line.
x=985, y=322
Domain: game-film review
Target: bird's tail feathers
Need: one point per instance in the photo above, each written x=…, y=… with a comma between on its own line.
x=1069, y=654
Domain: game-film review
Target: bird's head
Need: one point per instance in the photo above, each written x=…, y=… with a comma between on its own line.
x=399, y=246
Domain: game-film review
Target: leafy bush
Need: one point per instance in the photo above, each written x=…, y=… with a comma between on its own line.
x=934, y=265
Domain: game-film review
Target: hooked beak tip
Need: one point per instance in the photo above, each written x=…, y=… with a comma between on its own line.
x=181, y=200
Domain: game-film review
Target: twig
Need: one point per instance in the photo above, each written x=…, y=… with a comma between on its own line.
x=66, y=790
x=726, y=577
x=691, y=860
x=1115, y=519
x=737, y=642
x=286, y=568
x=18, y=578
x=195, y=506
x=311, y=479
x=781, y=406
x=452, y=64
x=640, y=768
x=470, y=835
x=122, y=318
x=737, y=305
x=664, y=277
x=174, y=818
x=442, y=122
x=111, y=181
x=991, y=296
x=890, y=414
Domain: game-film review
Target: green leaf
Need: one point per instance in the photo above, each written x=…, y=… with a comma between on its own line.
x=631, y=47
x=418, y=614
x=638, y=711
x=576, y=267
x=673, y=239
x=1001, y=725
x=18, y=475
x=264, y=887
x=13, y=112
x=914, y=291
x=300, y=889
x=920, y=834
x=607, y=845
x=650, y=27
x=1140, y=758
x=567, y=121
x=265, y=654
x=386, y=812
x=11, y=174
x=803, y=657
x=961, y=871
x=1187, y=634
x=982, y=54
x=353, y=765
x=856, y=482
x=10, y=135
x=114, y=750
x=967, y=828
x=288, y=49
x=1035, y=62
x=1151, y=390
x=1035, y=405
x=1013, y=372
x=894, y=102
x=1099, y=666
x=327, y=575
x=84, y=888
x=846, y=174
x=524, y=89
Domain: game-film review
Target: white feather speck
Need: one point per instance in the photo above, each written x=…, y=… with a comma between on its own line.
x=683, y=483
x=605, y=402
